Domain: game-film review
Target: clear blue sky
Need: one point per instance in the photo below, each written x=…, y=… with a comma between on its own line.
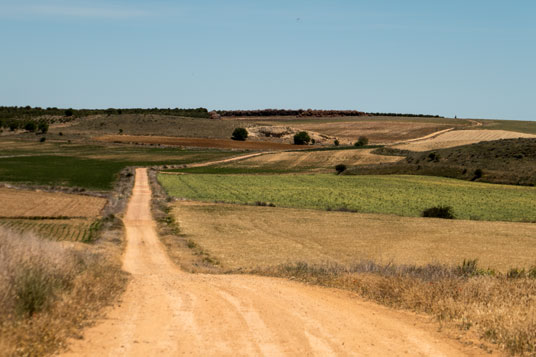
x=472, y=58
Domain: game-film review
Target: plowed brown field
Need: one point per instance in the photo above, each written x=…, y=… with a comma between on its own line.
x=26, y=203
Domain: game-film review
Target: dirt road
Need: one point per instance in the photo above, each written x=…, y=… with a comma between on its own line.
x=167, y=312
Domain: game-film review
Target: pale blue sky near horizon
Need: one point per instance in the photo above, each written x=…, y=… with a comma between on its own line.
x=467, y=58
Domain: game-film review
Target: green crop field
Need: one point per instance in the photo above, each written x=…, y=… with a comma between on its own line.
x=87, y=166
x=73, y=230
x=399, y=195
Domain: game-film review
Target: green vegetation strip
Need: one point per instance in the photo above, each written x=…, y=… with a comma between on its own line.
x=91, y=173
x=400, y=195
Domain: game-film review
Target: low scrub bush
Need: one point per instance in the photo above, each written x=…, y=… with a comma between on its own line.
x=439, y=212
x=361, y=141
x=340, y=168
x=302, y=138
x=240, y=134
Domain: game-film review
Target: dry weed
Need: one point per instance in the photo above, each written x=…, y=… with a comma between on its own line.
x=500, y=309
x=48, y=290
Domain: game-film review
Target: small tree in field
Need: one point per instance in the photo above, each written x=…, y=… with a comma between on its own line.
x=69, y=112
x=362, y=141
x=240, y=134
x=340, y=168
x=43, y=127
x=30, y=126
x=302, y=138
x=336, y=142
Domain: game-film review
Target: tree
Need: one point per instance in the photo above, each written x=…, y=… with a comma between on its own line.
x=69, y=112
x=30, y=126
x=302, y=138
x=336, y=142
x=240, y=134
x=361, y=141
x=340, y=168
x=43, y=127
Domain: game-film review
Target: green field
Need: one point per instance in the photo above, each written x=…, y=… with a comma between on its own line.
x=399, y=195
x=87, y=166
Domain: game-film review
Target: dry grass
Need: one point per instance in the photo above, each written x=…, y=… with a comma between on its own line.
x=246, y=236
x=376, y=131
x=26, y=203
x=459, y=138
x=73, y=230
x=49, y=291
x=501, y=310
x=421, y=258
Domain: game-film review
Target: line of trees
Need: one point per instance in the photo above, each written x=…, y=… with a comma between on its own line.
x=30, y=125
x=32, y=112
x=312, y=113
x=288, y=112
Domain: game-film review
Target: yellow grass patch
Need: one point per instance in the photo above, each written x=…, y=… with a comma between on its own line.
x=246, y=237
x=26, y=203
x=461, y=137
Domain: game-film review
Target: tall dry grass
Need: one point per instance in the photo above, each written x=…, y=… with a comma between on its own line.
x=501, y=308
x=48, y=290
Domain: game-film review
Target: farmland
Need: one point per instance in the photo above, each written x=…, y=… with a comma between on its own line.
x=27, y=203
x=73, y=230
x=249, y=237
x=87, y=166
x=398, y=195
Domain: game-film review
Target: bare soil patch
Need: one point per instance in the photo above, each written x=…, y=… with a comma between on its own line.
x=26, y=203
x=197, y=142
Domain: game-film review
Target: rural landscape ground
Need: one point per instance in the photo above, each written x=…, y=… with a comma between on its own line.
x=154, y=233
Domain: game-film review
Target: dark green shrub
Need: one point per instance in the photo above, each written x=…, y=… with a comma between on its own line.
x=439, y=212
x=240, y=134
x=361, y=141
x=120, y=131
x=478, y=173
x=30, y=126
x=340, y=168
x=336, y=142
x=43, y=127
x=42, y=140
x=302, y=138
x=69, y=112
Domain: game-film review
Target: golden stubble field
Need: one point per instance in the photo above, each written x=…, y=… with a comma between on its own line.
x=33, y=203
x=459, y=138
x=249, y=236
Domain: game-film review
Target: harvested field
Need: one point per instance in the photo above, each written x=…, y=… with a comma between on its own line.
x=459, y=138
x=247, y=237
x=26, y=203
x=72, y=230
x=376, y=131
x=315, y=160
x=196, y=142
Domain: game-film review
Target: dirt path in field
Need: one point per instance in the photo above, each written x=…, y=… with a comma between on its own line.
x=166, y=312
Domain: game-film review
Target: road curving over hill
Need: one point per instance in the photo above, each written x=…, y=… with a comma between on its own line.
x=168, y=312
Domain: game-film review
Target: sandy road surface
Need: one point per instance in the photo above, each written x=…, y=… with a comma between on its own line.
x=168, y=312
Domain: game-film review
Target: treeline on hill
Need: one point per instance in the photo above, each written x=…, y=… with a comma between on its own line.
x=311, y=113
x=507, y=161
x=10, y=113
x=289, y=112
